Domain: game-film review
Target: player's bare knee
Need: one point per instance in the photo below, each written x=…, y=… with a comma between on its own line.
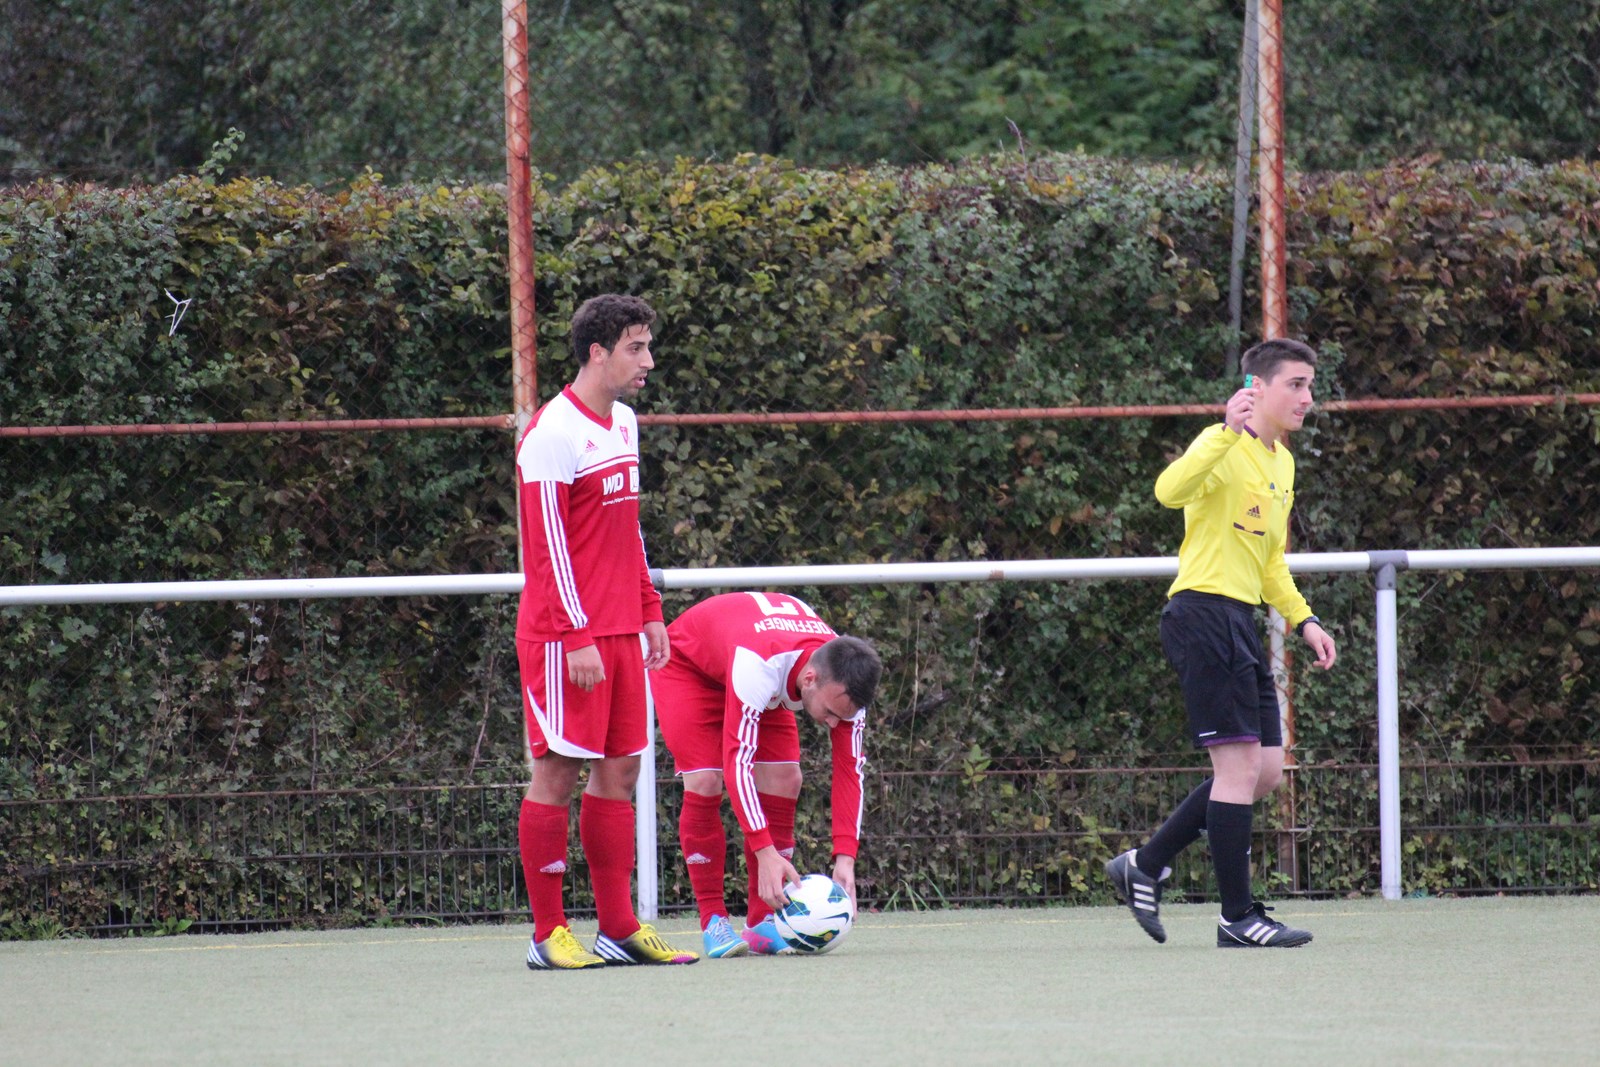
x=614, y=778
x=1268, y=780
x=705, y=783
x=1269, y=774
x=554, y=777
x=779, y=779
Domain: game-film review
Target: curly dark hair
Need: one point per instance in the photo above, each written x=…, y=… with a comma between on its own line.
x=603, y=319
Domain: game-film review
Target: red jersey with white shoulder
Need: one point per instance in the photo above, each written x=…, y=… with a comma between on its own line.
x=582, y=550
x=753, y=646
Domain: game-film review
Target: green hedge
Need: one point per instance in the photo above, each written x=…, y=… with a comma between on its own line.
x=993, y=283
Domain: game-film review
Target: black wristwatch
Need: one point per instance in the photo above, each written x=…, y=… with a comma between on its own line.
x=1300, y=628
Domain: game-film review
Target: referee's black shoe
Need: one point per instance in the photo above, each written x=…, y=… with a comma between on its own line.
x=1139, y=891
x=1255, y=930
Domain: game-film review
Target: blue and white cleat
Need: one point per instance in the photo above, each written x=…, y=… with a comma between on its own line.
x=764, y=939
x=720, y=941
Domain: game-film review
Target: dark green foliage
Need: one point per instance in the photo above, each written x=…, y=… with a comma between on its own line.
x=996, y=283
x=1370, y=81
x=122, y=91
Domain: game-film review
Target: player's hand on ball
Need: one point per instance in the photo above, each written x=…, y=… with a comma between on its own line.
x=773, y=873
x=844, y=872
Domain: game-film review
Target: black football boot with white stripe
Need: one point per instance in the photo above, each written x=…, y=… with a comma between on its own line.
x=1255, y=930
x=1140, y=892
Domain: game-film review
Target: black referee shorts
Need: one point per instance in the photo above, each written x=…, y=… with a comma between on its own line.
x=1214, y=643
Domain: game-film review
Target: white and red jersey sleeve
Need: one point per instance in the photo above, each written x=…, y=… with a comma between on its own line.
x=756, y=645
x=583, y=555
x=849, y=761
x=754, y=686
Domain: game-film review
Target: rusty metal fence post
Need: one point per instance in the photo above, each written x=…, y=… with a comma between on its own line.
x=519, y=216
x=1274, y=324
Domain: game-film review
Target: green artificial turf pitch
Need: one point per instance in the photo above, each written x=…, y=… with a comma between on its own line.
x=1430, y=981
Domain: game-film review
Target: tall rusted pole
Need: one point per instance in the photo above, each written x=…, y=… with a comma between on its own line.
x=1275, y=323
x=1244, y=143
x=1274, y=313
x=519, y=215
x=1274, y=263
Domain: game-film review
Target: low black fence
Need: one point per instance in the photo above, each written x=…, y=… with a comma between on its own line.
x=972, y=832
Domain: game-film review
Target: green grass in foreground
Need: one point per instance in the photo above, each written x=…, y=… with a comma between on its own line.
x=1494, y=981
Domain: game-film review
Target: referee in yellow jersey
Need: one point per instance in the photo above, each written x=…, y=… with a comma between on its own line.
x=1235, y=485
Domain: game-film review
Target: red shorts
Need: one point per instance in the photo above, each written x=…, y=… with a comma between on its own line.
x=692, y=712
x=609, y=720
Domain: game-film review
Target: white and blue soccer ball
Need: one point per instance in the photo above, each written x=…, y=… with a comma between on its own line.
x=818, y=915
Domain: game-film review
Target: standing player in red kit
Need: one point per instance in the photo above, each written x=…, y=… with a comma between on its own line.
x=586, y=599
x=742, y=665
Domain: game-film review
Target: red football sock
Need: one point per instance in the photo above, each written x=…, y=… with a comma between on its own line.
x=780, y=823
x=705, y=852
x=606, y=828
x=542, y=841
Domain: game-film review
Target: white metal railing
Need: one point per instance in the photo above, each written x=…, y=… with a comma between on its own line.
x=1386, y=566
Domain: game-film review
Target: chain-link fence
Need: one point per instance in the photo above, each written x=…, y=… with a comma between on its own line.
x=247, y=861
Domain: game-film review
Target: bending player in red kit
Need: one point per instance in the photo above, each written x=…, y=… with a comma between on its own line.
x=742, y=665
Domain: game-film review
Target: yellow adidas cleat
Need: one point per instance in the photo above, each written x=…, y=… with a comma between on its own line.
x=561, y=951
x=643, y=946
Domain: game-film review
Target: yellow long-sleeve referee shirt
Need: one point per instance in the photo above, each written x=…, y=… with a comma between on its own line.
x=1236, y=494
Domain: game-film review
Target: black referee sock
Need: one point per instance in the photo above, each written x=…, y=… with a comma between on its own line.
x=1228, y=830
x=1181, y=830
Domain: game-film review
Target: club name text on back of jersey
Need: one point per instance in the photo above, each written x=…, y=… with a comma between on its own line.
x=794, y=626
